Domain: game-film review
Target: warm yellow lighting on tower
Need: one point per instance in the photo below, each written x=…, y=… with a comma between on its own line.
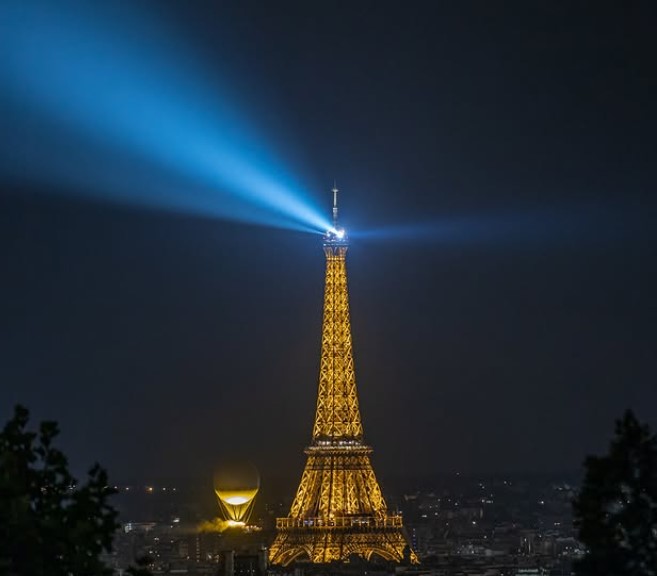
x=338, y=510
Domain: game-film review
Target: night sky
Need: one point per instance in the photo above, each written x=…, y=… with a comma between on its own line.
x=503, y=315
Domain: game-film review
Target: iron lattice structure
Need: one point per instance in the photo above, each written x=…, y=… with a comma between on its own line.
x=338, y=510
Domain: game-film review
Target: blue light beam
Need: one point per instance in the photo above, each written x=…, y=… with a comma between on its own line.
x=104, y=101
x=565, y=225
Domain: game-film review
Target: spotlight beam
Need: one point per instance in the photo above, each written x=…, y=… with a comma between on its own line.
x=124, y=114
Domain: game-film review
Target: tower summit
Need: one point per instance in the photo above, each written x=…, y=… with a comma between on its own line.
x=338, y=510
x=335, y=206
x=335, y=234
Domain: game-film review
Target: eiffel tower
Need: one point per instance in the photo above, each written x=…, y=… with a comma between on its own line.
x=338, y=510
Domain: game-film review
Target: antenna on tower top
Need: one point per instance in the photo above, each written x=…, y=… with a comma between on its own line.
x=335, y=236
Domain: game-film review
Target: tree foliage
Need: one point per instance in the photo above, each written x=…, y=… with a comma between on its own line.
x=616, y=509
x=141, y=567
x=49, y=525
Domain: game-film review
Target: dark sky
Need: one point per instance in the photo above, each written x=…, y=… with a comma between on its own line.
x=163, y=342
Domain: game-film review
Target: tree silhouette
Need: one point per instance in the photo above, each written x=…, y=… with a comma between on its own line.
x=49, y=525
x=140, y=568
x=616, y=509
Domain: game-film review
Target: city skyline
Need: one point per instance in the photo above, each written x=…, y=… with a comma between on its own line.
x=496, y=177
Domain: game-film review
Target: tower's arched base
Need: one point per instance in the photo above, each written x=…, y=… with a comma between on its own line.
x=320, y=545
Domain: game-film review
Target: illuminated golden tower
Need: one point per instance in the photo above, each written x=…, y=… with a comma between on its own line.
x=338, y=510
